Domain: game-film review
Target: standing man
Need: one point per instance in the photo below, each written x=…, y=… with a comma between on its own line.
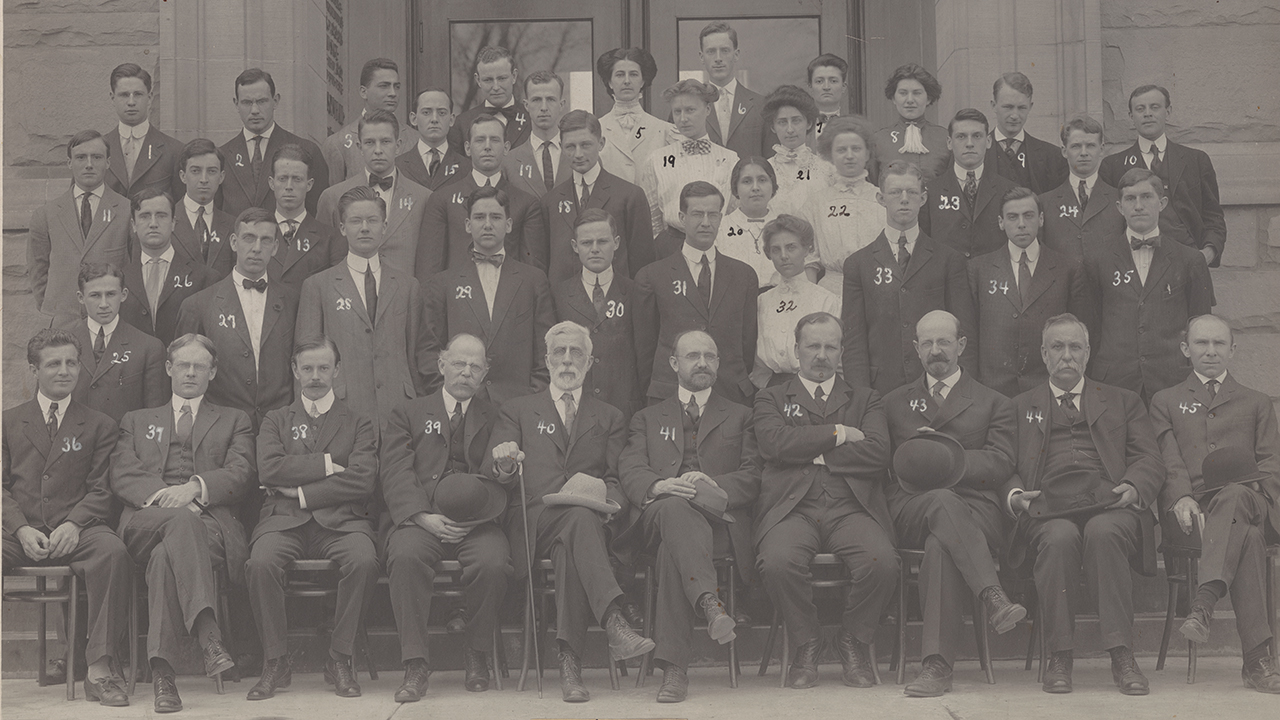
x=540, y=163
x=829, y=86
x=87, y=223
x=1083, y=212
x=380, y=90
x=432, y=162
x=1195, y=211
x=319, y=460
x=891, y=283
x=1088, y=473
x=962, y=209
x=1023, y=159
x=180, y=469
x=249, y=152
x=495, y=75
x=735, y=121
x=140, y=155
x=697, y=288
x=1015, y=290
x=960, y=527
x=691, y=472
x=1212, y=414
x=1146, y=292
x=824, y=448
x=307, y=244
x=201, y=230
x=57, y=503
x=159, y=278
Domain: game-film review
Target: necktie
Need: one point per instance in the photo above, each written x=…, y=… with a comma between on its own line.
x=696, y=147
x=692, y=409
x=260, y=284
x=971, y=188
x=1084, y=195
x=314, y=412
x=52, y=424
x=1024, y=278
x=1213, y=387
x=570, y=411
x=288, y=231
x=202, y=229
x=494, y=259
x=937, y=391
x=1011, y=149
x=1068, y=403
x=256, y=160
x=154, y=279
x=455, y=419
x=585, y=195
x=548, y=173
x=183, y=429
x=131, y=154
x=1136, y=242
x=1156, y=165
x=904, y=257
x=99, y=345
x=597, y=299
x=86, y=214
x=435, y=162
x=383, y=183
x=821, y=397
x=370, y=292
x=823, y=119
x=704, y=280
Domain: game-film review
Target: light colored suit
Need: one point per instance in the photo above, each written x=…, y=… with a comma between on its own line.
x=342, y=151
x=625, y=151
x=523, y=165
x=405, y=232
x=57, y=247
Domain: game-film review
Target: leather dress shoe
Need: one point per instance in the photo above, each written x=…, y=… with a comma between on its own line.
x=107, y=691
x=1196, y=627
x=457, y=622
x=624, y=642
x=476, y=664
x=342, y=676
x=1057, y=673
x=166, y=691
x=571, y=686
x=415, y=681
x=675, y=684
x=1261, y=675
x=934, y=679
x=1003, y=613
x=276, y=673
x=856, y=658
x=216, y=658
x=719, y=625
x=804, y=668
x=631, y=611
x=1124, y=670
x=56, y=671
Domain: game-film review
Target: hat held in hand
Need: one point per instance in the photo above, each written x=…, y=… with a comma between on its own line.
x=470, y=499
x=1229, y=465
x=711, y=500
x=1070, y=492
x=929, y=461
x=584, y=490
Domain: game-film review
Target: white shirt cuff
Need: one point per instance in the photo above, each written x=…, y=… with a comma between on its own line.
x=841, y=435
x=820, y=461
x=1008, y=501
x=328, y=468
x=204, y=491
x=302, y=498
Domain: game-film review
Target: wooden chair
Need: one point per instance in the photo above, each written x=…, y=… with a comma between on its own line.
x=448, y=584
x=910, y=575
x=723, y=566
x=544, y=587
x=1181, y=565
x=65, y=594
x=311, y=586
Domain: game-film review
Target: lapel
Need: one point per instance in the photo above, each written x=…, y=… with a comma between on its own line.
x=476, y=418
x=1226, y=389
x=986, y=192
x=163, y=417
x=36, y=431
x=841, y=393
x=69, y=215
x=475, y=299
x=72, y=427
x=179, y=271
x=270, y=313
x=119, y=344
x=81, y=331
x=673, y=419
x=923, y=251
x=226, y=297
x=713, y=415
x=238, y=163
x=1133, y=157
x=205, y=419
x=346, y=287
x=288, y=253
x=386, y=293
x=183, y=237
x=548, y=415
x=335, y=419
x=718, y=283
x=625, y=141
x=151, y=151
x=1095, y=405
x=509, y=281
x=1037, y=416
x=602, y=193
x=1065, y=197
x=117, y=166
x=713, y=126
x=109, y=207
x=1043, y=278
x=1103, y=197
x=743, y=101
x=680, y=269
x=523, y=157
x=585, y=418
x=1002, y=266
x=1199, y=393
x=581, y=302
x=1175, y=161
x=956, y=402
x=1160, y=261
x=1123, y=258
x=402, y=202
x=922, y=402
x=798, y=395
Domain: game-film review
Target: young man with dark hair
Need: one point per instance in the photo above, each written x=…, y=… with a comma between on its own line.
x=141, y=156
x=432, y=161
x=962, y=209
x=159, y=278
x=1021, y=158
x=308, y=244
x=1081, y=213
x=496, y=74
x=199, y=229
x=829, y=86
x=735, y=121
x=380, y=90
x=540, y=163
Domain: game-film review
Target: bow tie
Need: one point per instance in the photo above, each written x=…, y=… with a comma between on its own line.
x=260, y=284
x=1151, y=242
x=847, y=186
x=383, y=184
x=755, y=220
x=494, y=260
x=696, y=147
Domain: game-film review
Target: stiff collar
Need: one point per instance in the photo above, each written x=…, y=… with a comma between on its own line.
x=1032, y=250
x=450, y=402
x=1021, y=137
x=1059, y=392
x=1161, y=142
x=962, y=175
x=604, y=276
x=300, y=218
x=357, y=264
x=948, y=382
x=1204, y=379
x=108, y=329
x=324, y=404
x=480, y=178
x=693, y=255
x=827, y=386
x=177, y=402
x=590, y=176
x=138, y=131
x=892, y=233
x=424, y=148
x=166, y=256
x=702, y=396
x=193, y=207
x=238, y=278
x=45, y=402
x=249, y=135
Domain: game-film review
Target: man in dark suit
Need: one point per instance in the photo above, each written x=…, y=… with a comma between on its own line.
x=1082, y=213
x=824, y=448
x=829, y=86
x=446, y=211
x=1014, y=154
x=540, y=163
x=495, y=297
x=318, y=460
x=1068, y=427
x=736, y=122
x=589, y=186
x=1146, y=290
x=693, y=443
x=249, y=152
x=160, y=277
x=123, y=367
x=426, y=440
x=601, y=299
x=250, y=318
x=380, y=90
x=697, y=288
x=180, y=469
x=57, y=501
x=891, y=283
x=201, y=230
x=960, y=527
x=962, y=206
x=1211, y=412
x=308, y=244
x=1195, y=209
x=140, y=155
x=562, y=441
x=496, y=75
x=432, y=161
x=1015, y=289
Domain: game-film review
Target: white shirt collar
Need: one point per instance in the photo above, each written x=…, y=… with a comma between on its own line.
x=368, y=176
x=166, y=256
x=730, y=88
x=138, y=131
x=891, y=233
x=1131, y=233
x=1203, y=378
x=536, y=142
x=425, y=149
x=1088, y=181
x=358, y=264
x=480, y=178
x=450, y=401
x=557, y=393
x=702, y=396
x=949, y=381
x=1020, y=137
x=107, y=329
x=591, y=176
x=589, y=278
x=177, y=401
x=301, y=218
x=962, y=174
x=1032, y=250
x=193, y=207
x=510, y=101
x=693, y=256
x=1078, y=389
x=238, y=278
x=249, y=135
x=45, y=402
x=1161, y=142
x=324, y=403
x=826, y=385
x=78, y=192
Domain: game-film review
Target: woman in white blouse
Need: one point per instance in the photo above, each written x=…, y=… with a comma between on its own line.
x=845, y=215
x=630, y=133
x=791, y=112
x=741, y=231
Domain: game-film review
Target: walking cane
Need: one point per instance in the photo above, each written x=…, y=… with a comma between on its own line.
x=528, y=556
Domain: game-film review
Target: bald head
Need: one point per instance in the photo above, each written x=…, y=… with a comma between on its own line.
x=939, y=321
x=695, y=359
x=939, y=343
x=1210, y=345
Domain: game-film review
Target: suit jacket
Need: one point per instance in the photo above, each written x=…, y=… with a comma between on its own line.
x=792, y=431
x=345, y=159
x=1074, y=231
x=156, y=166
x=221, y=257
x=1006, y=345
x=947, y=217
x=624, y=201
x=746, y=134
x=48, y=482
x=625, y=151
x=1192, y=185
x=1190, y=423
x=222, y=455
x=523, y=166
x=890, y=139
x=407, y=234
x=242, y=189
x=131, y=376
x=613, y=378
x=187, y=276
x=552, y=456
x=880, y=317
x=1122, y=433
x=518, y=125
x=1139, y=325
x=445, y=219
x=451, y=165
x=380, y=357
x=1039, y=165
x=56, y=248
x=315, y=247
x=287, y=457
x=668, y=303
x=238, y=384
x=515, y=335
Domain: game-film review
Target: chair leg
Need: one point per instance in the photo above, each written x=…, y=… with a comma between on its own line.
x=368, y=654
x=1270, y=576
x=875, y=662
x=613, y=672
x=42, y=677
x=901, y=649
x=646, y=662
x=1170, y=610
x=218, y=615
x=135, y=657
x=1193, y=585
x=767, y=654
x=499, y=662
x=734, y=670
x=982, y=625
x=786, y=657
x=1044, y=647
x=1031, y=640
x=73, y=592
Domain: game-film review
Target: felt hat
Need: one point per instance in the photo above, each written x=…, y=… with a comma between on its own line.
x=1228, y=465
x=1072, y=491
x=470, y=499
x=929, y=461
x=584, y=490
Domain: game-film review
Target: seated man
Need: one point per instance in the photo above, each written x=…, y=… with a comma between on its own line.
x=318, y=461
x=56, y=502
x=687, y=447
x=1209, y=410
x=1103, y=433
x=825, y=453
x=429, y=439
x=181, y=469
x=562, y=433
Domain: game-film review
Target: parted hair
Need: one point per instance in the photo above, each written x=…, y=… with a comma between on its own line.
x=494, y=53
x=829, y=60
x=639, y=56
x=788, y=224
x=698, y=189
x=85, y=136
x=900, y=167
x=1064, y=319
x=357, y=194
x=253, y=216
x=746, y=162
x=1015, y=80
x=912, y=71
x=373, y=66
x=489, y=191
x=482, y=118
x=379, y=117
x=47, y=338
x=580, y=120
x=595, y=215
x=192, y=339
x=542, y=77
x=789, y=96
x=91, y=271
x=706, y=92
x=130, y=70
x=568, y=327
x=1019, y=193
x=718, y=26
x=1083, y=123
x=198, y=147
x=315, y=342
x=1133, y=176
x=970, y=115
x=1144, y=89
x=252, y=76
x=817, y=318
x=292, y=151
x=145, y=194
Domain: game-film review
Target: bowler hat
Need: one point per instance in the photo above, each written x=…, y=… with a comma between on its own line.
x=1070, y=492
x=584, y=490
x=1229, y=465
x=929, y=461
x=470, y=499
